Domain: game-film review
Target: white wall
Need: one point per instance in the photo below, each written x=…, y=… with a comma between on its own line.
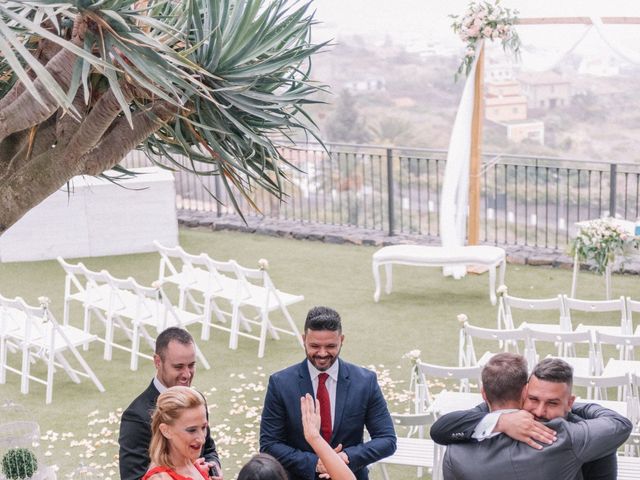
x=97, y=218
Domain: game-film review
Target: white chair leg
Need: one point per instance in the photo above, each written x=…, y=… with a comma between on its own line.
x=389, y=277
x=235, y=325
x=492, y=284
x=67, y=368
x=264, y=324
x=87, y=326
x=86, y=368
x=135, y=347
x=50, y=371
x=383, y=469
x=376, y=280
x=203, y=360
x=206, y=319
x=26, y=366
x=108, y=337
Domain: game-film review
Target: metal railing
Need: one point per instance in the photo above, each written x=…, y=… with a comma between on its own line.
x=525, y=200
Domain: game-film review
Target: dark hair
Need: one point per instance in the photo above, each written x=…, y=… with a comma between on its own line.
x=503, y=378
x=323, y=318
x=554, y=370
x=262, y=467
x=170, y=334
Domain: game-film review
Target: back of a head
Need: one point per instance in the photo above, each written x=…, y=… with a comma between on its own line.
x=169, y=406
x=323, y=318
x=554, y=370
x=262, y=467
x=503, y=378
x=170, y=334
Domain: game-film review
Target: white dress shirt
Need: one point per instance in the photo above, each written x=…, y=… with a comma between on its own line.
x=485, y=428
x=331, y=383
x=158, y=384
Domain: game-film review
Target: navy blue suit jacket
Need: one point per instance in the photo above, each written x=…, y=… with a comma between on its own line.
x=359, y=403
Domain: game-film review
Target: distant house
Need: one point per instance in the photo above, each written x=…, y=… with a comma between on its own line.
x=504, y=101
x=366, y=85
x=599, y=67
x=518, y=131
x=546, y=90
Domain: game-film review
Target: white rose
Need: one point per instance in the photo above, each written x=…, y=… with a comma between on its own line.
x=263, y=264
x=44, y=301
x=462, y=318
x=502, y=289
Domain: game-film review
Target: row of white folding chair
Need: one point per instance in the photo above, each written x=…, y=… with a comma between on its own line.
x=564, y=306
x=35, y=334
x=529, y=338
x=426, y=376
x=127, y=305
x=237, y=287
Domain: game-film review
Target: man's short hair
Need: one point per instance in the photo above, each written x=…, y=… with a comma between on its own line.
x=170, y=334
x=323, y=318
x=503, y=378
x=554, y=370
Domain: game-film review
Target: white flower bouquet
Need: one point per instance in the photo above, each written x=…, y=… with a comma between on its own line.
x=485, y=20
x=600, y=241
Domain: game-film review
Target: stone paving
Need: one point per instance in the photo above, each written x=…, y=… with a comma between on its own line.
x=516, y=254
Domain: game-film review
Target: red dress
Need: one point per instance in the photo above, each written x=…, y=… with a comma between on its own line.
x=173, y=474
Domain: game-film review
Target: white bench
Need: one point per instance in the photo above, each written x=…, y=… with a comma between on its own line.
x=425, y=256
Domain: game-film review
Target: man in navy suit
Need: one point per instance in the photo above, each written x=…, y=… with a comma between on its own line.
x=350, y=399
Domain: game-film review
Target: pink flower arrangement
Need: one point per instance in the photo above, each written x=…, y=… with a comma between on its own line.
x=485, y=20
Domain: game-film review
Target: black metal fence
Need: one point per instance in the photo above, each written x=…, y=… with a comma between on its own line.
x=533, y=201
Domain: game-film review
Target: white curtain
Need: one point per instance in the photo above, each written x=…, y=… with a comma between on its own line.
x=455, y=185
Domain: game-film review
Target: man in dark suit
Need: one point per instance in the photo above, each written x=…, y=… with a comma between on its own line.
x=350, y=399
x=586, y=437
x=175, y=362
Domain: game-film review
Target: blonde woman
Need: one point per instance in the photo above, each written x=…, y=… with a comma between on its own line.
x=178, y=431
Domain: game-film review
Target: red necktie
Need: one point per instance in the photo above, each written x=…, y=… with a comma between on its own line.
x=325, y=407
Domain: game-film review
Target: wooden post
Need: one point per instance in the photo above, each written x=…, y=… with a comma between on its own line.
x=473, y=225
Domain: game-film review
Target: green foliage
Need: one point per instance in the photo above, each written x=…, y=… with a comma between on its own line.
x=19, y=463
x=600, y=241
x=237, y=71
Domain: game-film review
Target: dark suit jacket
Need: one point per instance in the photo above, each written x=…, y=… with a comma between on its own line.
x=502, y=457
x=359, y=403
x=135, y=436
x=458, y=427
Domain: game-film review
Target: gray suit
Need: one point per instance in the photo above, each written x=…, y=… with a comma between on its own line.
x=501, y=457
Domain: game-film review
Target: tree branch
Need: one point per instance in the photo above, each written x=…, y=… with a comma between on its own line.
x=96, y=123
x=121, y=139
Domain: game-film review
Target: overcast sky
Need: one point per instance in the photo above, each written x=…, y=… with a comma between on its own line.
x=408, y=20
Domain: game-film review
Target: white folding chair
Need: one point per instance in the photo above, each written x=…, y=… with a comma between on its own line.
x=412, y=451
x=256, y=291
x=633, y=306
x=624, y=344
x=620, y=326
x=94, y=297
x=565, y=342
x=147, y=307
x=215, y=282
x=597, y=386
x=41, y=337
x=508, y=303
x=507, y=342
x=464, y=376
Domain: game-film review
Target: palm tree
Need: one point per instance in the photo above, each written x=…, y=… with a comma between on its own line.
x=208, y=85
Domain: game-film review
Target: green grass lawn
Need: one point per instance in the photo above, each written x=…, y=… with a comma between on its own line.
x=80, y=426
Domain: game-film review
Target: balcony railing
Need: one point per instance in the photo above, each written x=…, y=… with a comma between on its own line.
x=525, y=200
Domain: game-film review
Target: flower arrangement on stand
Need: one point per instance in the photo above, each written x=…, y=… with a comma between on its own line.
x=485, y=20
x=416, y=384
x=599, y=241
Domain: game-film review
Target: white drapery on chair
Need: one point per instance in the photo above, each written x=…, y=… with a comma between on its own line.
x=455, y=185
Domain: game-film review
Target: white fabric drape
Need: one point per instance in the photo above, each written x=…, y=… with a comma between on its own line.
x=455, y=185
